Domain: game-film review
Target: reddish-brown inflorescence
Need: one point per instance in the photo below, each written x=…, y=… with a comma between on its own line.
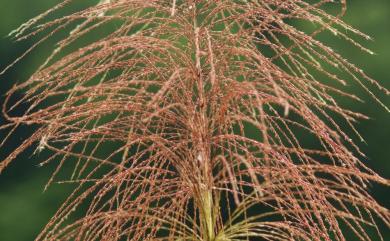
x=185, y=120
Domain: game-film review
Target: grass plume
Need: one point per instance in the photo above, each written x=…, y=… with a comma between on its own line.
x=185, y=122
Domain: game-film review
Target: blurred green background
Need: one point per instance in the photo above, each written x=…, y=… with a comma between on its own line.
x=25, y=208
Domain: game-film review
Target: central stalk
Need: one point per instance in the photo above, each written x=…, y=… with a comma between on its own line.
x=208, y=219
x=205, y=200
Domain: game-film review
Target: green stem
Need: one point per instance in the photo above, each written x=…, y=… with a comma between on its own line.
x=208, y=219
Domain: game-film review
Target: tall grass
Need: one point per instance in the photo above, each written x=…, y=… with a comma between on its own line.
x=199, y=120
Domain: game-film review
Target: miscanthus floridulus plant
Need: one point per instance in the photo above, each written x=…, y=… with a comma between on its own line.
x=187, y=120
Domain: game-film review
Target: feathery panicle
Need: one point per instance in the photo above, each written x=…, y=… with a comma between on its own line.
x=185, y=122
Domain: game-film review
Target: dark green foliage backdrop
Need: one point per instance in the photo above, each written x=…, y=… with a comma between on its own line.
x=25, y=208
